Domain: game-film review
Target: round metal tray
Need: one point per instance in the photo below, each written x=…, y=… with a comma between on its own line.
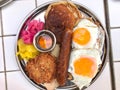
x=39, y=13
x=4, y=2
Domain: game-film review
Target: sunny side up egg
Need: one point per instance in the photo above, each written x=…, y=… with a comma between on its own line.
x=84, y=64
x=85, y=34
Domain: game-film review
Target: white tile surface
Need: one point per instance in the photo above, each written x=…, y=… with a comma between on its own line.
x=1, y=56
x=97, y=8
x=19, y=82
x=114, y=6
x=14, y=13
x=103, y=82
x=2, y=81
x=39, y=2
x=9, y=43
x=115, y=36
x=117, y=75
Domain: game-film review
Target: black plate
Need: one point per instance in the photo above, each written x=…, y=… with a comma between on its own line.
x=39, y=13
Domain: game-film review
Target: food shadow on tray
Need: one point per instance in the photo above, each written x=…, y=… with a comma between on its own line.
x=79, y=55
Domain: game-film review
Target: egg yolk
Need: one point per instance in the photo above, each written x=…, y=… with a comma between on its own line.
x=45, y=42
x=81, y=36
x=85, y=66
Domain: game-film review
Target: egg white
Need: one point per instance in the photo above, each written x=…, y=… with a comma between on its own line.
x=100, y=41
x=92, y=28
x=80, y=80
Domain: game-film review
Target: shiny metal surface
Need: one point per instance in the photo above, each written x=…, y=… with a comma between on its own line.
x=4, y=2
x=39, y=12
x=37, y=36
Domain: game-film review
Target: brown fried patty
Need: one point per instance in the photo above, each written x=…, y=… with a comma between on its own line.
x=42, y=69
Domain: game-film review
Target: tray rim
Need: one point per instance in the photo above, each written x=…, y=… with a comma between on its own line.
x=76, y=3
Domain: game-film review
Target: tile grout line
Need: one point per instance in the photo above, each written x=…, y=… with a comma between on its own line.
x=36, y=3
x=2, y=71
x=3, y=49
x=114, y=28
x=111, y=65
x=9, y=35
x=12, y=70
x=117, y=61
x=9, y=71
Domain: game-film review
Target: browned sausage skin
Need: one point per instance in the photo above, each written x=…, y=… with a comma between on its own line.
x=63, y=59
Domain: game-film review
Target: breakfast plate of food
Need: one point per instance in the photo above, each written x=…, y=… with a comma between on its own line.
x=61, y=45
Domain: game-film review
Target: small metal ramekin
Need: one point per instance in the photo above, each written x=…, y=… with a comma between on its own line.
x=40, y=33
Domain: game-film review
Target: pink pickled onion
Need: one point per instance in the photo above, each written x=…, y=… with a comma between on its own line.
x=32, y=28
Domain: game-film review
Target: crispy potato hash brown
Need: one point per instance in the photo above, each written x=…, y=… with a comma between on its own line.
x=41, y=69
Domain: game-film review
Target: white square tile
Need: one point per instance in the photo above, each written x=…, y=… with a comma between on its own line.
x=9, y=44
x=97, y=8
x=1, y=56
x=2, y=81
x=115, y=36
x=14, y=13
x=19, y=82
x=39, y=2
x=117, y=75
x=114, y=6
x=103, y=81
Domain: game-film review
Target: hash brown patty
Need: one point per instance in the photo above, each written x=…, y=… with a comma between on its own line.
x=41, y=69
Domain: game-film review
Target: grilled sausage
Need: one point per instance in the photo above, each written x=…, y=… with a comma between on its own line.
x=63, y=59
